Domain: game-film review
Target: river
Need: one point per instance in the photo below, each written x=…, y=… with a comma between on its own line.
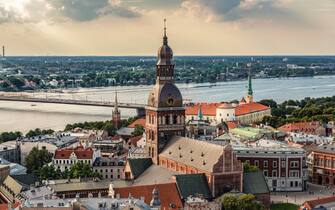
x=24, y=116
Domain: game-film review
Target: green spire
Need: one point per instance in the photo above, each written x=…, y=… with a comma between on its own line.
x=249, y=84
x=200, y=113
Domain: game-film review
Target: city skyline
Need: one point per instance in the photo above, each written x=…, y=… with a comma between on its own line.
x=196, y=27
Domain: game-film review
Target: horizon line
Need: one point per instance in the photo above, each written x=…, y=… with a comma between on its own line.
x=191, y=55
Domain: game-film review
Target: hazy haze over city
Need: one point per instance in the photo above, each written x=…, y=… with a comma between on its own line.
x=195, y=27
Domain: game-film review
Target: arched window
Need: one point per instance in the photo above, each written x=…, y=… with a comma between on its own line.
x=171, y=119
x=174, y=119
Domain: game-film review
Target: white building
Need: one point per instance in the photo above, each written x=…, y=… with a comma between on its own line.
x=304, y=138
x=110, y=168
x=283, y=166
x=66, y=157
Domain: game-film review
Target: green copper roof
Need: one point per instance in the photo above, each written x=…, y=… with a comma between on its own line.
x=254, y=183
x=139, y=165
x=193, y=184
x=249, y=85
x=200, y=113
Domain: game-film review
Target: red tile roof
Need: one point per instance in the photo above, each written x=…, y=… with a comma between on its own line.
x=116, y=138
x=16, y=204
x=208, y=109
x=168, y=194
x=232, y=124
x=300, y=127
x=4, y=206
x=243, y=109
x=140, y=121
x=135, y=139
x=313, y=203
x=80, y=151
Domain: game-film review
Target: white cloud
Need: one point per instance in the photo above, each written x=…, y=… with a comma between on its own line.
x=32, y=11
x=232, y=10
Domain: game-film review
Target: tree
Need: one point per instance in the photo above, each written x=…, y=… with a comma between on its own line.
x=110, y=129
x=36, y=159
x=249, y=168
x=248, y=202
x=240, y=202
x=81, y=170
x=9, y=136
x=38, y=132
x=269, y=102
x=273, y=121
x=49, y=172
x=139, y=129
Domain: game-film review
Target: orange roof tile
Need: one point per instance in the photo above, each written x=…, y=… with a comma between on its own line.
x=208, y=109
x=140, y=121
x=135, y=139
x=231, y=124
x=168, y=194
x=80, y=151
x=313, y=203
x=243, y=109
x=16, y=204
x=4, y=206
x=299, y=126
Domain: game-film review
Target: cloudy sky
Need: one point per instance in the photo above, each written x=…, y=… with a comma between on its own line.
x=195, y=27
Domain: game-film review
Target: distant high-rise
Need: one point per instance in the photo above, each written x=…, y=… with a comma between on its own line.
x=3, y=51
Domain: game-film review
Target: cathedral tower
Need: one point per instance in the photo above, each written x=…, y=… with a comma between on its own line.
x=165, y=114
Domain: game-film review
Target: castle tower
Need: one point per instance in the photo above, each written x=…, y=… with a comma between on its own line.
x=249, y=98
x=116, y=116
x=165, y=114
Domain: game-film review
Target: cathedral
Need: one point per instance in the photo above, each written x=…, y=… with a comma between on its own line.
x=166, y=144
x=165, y=114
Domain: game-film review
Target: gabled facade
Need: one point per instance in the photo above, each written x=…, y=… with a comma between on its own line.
x=66, y=157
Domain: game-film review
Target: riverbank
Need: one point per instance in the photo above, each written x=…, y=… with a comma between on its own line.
x=23, y=116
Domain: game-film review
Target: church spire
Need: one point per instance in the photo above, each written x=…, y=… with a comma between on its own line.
x=116, y=106
x=249, y=98
x=165, y=39
x=200, y=115
x=250, y=92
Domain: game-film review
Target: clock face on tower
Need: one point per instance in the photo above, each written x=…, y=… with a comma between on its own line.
x=170, y=101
